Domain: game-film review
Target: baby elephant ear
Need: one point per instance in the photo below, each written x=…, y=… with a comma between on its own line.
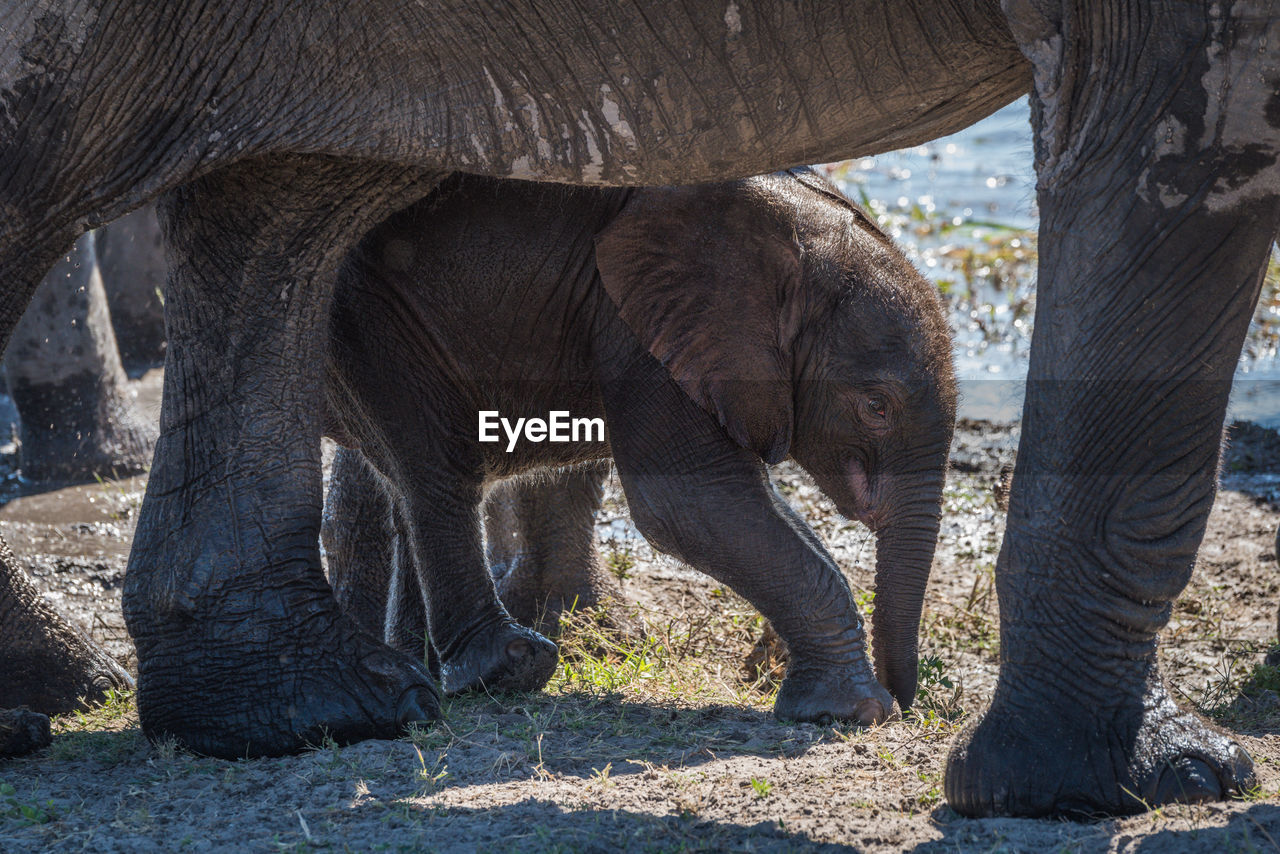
x=706, y=278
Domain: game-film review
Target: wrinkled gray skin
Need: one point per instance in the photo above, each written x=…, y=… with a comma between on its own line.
x=539, y=544
x=786, y=322
x=66, y=378
x=1156, y=156
x=78, y=422
x=48, y=666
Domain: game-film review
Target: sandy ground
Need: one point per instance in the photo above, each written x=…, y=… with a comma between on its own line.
x=659, y=741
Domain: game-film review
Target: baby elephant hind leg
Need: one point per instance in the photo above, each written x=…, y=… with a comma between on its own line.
x=540, y=541
x=366, y=545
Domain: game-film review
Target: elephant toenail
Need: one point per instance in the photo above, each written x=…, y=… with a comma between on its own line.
x=870, y=711
x=519, y=648
x=1188, y=780
x=418, y=705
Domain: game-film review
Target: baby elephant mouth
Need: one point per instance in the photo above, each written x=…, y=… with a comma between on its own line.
x=861, y=505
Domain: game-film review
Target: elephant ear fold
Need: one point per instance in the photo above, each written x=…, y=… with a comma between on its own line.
x=707, y=278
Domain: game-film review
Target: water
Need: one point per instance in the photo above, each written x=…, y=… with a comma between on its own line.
x=977, y=188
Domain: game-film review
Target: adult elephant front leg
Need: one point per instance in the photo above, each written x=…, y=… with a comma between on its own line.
x=242, y=649
x=1156, y=152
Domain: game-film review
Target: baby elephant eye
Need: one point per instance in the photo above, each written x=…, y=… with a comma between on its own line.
x=877, y=405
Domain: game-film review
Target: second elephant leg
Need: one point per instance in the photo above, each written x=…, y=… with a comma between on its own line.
x=46, y=663
x=372, y=571
x=131, y=255
x=480, y=645
x=78, y=418
x=1151, y=261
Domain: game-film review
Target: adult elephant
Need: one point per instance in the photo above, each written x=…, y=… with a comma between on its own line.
x=292, y=130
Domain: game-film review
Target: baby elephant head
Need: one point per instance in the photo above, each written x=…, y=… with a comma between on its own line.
x=784, y=312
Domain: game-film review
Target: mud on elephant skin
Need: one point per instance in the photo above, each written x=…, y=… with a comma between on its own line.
x=714, y=328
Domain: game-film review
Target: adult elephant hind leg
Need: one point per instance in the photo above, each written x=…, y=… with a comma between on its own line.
x=242, y=648
x=1158, y=201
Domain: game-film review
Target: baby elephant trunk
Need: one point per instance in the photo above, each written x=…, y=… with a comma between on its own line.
x=904, y=556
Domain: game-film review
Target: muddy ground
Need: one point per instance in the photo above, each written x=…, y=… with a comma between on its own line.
x=662, y=741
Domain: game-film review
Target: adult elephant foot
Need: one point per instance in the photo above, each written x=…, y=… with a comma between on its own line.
x=1031, y=760
x=227, y=686
x=242, y=648
x=501, y=656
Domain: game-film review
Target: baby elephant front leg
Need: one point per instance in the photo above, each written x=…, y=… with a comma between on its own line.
x=742, y=535
x=695, y=494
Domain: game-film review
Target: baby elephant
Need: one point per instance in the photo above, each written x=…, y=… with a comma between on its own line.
x=713, y=329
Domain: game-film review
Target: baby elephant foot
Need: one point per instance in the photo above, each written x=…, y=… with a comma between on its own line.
x=823, y=693
x=234, y=690
x=503, y=656
x=1056, y=758
x=23, y=731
